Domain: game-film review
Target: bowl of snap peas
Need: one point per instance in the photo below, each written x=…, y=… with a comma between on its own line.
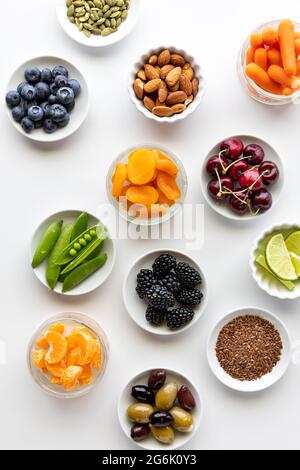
x=71, y=253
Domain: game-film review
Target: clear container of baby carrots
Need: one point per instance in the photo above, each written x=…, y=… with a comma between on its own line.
x=255, y=91
x=67, y=355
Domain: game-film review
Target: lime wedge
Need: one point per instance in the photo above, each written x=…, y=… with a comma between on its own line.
x=296, y=262
x=261, y=260
x=293, y=243
x=279, y=260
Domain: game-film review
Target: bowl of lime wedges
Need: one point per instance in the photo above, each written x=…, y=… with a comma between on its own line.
x=275, y=261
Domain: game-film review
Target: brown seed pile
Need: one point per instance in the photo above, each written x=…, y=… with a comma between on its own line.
x=248, y=348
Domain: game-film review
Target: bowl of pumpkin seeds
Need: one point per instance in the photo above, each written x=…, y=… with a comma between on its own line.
x=98, y=23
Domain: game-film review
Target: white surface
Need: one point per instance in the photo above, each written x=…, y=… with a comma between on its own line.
x=126, y=399
x=267, y=380
x=37, y=181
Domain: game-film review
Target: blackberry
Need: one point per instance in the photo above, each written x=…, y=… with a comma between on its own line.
x=163, y=265
x=154, y=316
x=160, y=298
x=144, y=281
x=189, y=297
x=179, y=317
x=170, y=282
x=187, y=275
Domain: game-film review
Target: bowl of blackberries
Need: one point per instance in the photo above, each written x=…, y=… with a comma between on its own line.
x=47, y=99
x=242, y=177
x=165, y=292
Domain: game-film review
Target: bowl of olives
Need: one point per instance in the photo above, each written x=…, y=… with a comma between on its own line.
x=160, y=409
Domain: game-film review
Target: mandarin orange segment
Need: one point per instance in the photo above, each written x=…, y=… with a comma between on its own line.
x=55, y=380
x=145, y=195
x=97, y=357
x=87, y=347
x=39, y=358
x=57, y=347
x=141, y=166
x=86, y=377
x=119, y=179
x=56, y=370
x=72, y=356
x=59, y=327
x=164, y=163
x=168, y=186
x=70, y=376
x=42, y=343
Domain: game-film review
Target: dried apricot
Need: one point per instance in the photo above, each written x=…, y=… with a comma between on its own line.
x=162, y=199
x=145, y=195
x=57, y=347
x=165, y=164
x=70, y=376
x=119, y=179
x=141, y=166
x=168, y=186
x=39, y=358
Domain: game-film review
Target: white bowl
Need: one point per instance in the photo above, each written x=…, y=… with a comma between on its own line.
x=223, y=207
x=265, y=280
x=190, y=108
x=137, y=307
x=125, y=400
x=98, y=41
x=78, y=114
x=267, y=380
x=92, y=282
x=181, y=181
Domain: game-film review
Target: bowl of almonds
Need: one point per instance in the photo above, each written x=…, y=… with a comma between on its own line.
x=166, y=84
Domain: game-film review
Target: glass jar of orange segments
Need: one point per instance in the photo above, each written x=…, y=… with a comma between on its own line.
x=269, y=63
x=67, y=355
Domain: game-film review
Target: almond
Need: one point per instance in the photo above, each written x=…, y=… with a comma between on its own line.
x=151, y=72
x=149, y=103
x=164, y=58
x=175, y=87
x=162, y=111
x=157, y=67
x=163, y=92
x=178, y=108
x=173, y=76
x=153, y=60
x=188, y=71
x=189, y=100
x=195, y=85
x=141, y=74
x=177, y=60
x=185, y=84
x=138, y=87
x=165, y=70
x=152, y=86
x=176, y=98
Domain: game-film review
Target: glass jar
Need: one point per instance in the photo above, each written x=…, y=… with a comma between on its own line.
x=70, y=321
x=253, y=90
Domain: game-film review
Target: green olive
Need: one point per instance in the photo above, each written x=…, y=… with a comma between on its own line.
x=93, y=233
x=82, y=242
x=87, y=237
x=77, y=246
x=140, y=412
x=166, y=396
x=73, y=252
x=183, y=421
x=164, y=435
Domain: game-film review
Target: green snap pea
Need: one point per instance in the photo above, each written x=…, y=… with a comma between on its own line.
x=46, y=244
x=80, y=226
x=53, y=269
x=66, y=255
x=82, y=256
x=95, y=253
x=83, y=271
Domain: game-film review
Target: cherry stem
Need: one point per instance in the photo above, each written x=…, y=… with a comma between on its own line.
x=220, y=160
x=233, y=163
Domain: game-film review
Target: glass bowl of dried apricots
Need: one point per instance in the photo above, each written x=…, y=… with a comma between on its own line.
x=147, y=184
x=269, y=63
x=67, y=355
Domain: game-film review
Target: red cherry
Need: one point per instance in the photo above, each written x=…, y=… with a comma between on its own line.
x=214, y=163
x=255, y=153
x=238, y=169
x=269, y=172
x=251, y=179
x=233, y=148
x=215, y=190
x=262, y=199
x=239, y=203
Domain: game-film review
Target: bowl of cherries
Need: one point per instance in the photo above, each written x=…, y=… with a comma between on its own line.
x=242, y=177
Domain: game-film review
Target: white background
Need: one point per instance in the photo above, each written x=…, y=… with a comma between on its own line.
x=37, y=181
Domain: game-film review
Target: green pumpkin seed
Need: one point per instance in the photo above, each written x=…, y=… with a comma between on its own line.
x=97, y=32
x=71, y=11
x=116, y=14
x=105, y=8
x=101, y=21
x=80, y=10
x=107, y=23
x=88, y=26
x=80, y=26
x=102, y=27
x=98, y=3
x=107, y=14
x=84, y=18
x=124, y=14
x=68, y=3
x=78, y=3
x=108, y=2
x=94, y=16
x=91, y=4
x=72, y=19
x=87, y=6
x=120, y=3
x=91, y=22
x=106, y=32
x=114, y=9
x=77, y=22
x=119, y=21
x=113, y=23
x=87, y=33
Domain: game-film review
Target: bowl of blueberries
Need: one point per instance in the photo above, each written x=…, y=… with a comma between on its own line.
x=47, y=99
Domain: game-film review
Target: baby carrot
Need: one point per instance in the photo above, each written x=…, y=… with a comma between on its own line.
x=261, y=58
x=274, y=57
x=278, y=75
x=250, y=55
x=286, y=33
x=262, y=79
x=297, y=46
x=256, y=40
x=270, y=36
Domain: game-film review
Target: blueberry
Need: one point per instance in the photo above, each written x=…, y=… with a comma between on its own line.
x=46, y=107
x=58, y=112
x=27, y=125
x=18, y=112
x=13, y=98
x=70, y=107
x=65, y=95
x=46, y=75
x=28, y=92
x=65, y=121
x=33, y=75
x=52, y=99
x=27, y=104
x=60, y=70
x=35, y=113
x=75, y=85
x=38, y=124
x=49, y=126
x=61, y=81
x=53, y=89
x=20, y=87
x=42, y=91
